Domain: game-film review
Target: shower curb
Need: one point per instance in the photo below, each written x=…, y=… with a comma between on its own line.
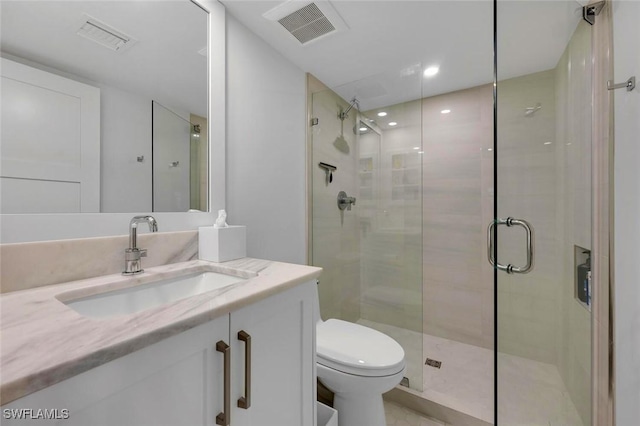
x=411, y=400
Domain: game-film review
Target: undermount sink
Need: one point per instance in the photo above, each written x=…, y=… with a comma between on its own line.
x=150, y=295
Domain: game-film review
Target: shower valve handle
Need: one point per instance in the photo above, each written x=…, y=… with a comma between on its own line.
x=345, y=202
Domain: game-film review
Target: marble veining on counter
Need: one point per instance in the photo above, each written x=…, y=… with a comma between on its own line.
x=45, y=342
x=42, y=263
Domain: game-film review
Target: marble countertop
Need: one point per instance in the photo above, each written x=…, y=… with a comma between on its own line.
x=44, y=342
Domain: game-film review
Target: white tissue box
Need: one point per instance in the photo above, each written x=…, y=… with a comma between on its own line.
x=222, y=244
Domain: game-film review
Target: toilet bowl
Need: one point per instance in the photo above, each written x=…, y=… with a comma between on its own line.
x=358, y=364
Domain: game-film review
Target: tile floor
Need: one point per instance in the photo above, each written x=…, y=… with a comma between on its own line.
x=532, y=393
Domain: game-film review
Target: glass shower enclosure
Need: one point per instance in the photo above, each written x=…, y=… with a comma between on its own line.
x=371, y=251
x=470, y=238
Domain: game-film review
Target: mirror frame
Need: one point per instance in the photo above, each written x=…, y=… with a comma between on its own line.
x=19, y=228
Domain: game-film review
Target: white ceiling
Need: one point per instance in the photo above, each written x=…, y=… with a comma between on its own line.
x=163, y=65
x=380, y=56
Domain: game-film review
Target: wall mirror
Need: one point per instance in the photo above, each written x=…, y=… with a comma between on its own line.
x=105, y=106
x=111, y=217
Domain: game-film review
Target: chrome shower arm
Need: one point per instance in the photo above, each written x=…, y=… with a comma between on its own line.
x=344, y=114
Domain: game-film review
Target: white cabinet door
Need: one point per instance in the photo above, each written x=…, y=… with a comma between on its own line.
x=177, y=381
x=282, y=360
x=50, y=137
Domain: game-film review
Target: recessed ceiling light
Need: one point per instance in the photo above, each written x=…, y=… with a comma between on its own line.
x=382, y=114
x=431, y=71
x=393, y=123
x=547, y=143
x=416, y=147
x=489, y=149
x=420, y=152
x=445, y=111
x=363, y=129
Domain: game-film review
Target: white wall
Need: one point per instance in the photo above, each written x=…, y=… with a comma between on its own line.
x=626, y=45
x=126, y=135
x=266, y=103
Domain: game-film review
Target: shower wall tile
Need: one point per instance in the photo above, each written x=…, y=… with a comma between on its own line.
x=457, y=207
x=391, y=280
x=574, y=103
x=454, y=310
x=527, y=189
x=335, y=234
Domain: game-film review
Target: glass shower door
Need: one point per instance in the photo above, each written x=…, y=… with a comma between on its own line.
x=370, y=252
x=540, y=240
x=171, y=142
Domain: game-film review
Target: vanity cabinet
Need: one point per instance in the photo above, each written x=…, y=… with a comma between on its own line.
x=181, y=380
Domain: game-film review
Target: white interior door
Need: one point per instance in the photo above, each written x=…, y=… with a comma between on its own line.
x=50, y=142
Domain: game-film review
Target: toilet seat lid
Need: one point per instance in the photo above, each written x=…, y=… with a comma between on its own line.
x=355, y=349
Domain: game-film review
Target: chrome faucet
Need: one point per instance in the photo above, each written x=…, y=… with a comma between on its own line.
x=132, y=255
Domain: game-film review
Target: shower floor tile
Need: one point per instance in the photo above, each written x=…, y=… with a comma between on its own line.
x=532, y=393
x=464, y=381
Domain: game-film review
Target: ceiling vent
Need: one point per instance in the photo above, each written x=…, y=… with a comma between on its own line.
x=307, y=21
x=104, y=34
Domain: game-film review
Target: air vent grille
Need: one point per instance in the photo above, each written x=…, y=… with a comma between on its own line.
x=104, y=35
x=307, y=24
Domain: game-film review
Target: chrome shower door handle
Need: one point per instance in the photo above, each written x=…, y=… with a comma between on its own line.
x=510, y=269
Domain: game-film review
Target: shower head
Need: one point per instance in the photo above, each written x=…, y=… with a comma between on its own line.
x=341, y=144
x=344, y=114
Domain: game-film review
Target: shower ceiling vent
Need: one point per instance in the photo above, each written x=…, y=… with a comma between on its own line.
x=307, y=21
x=104, y=35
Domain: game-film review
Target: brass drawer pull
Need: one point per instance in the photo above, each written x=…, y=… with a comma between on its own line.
x=224, y=418
x=245, y=401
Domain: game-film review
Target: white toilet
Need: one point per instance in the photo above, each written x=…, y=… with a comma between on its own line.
x=358, y=364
